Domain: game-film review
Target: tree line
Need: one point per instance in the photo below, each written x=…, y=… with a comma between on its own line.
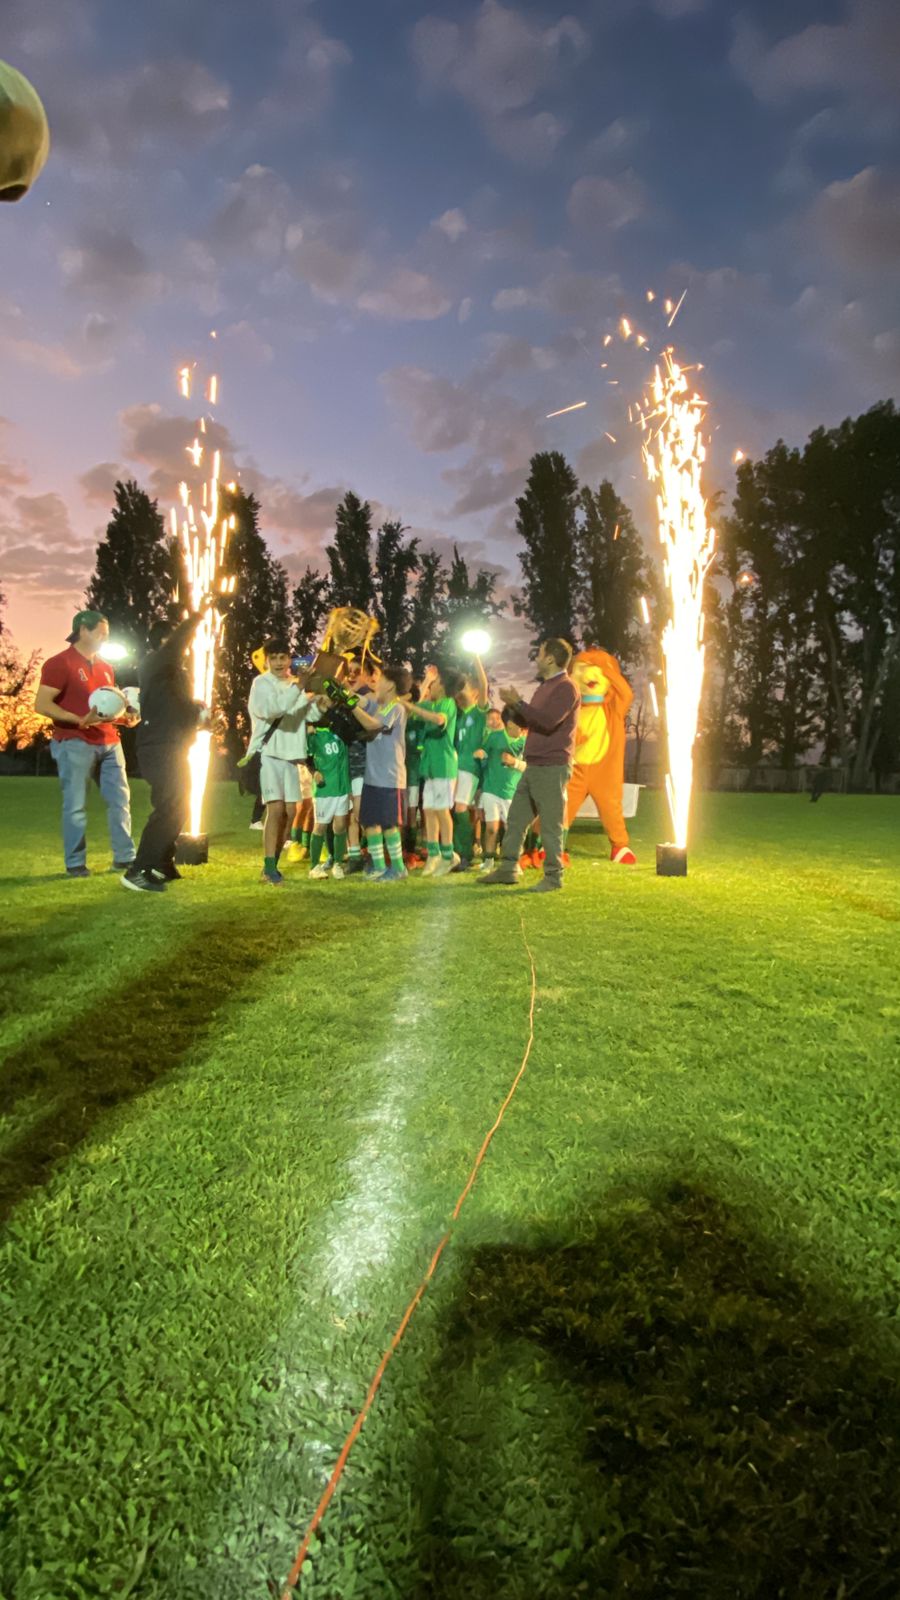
x=802, y=612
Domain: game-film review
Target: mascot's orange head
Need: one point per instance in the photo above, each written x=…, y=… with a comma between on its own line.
x=592, y=670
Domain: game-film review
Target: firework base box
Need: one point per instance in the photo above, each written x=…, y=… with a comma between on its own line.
x=192, y=850
x=671, y=861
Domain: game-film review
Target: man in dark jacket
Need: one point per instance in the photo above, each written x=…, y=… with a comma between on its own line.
x=551, y=719
x=170, y=717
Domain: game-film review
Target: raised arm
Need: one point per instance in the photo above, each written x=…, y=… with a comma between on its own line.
x=436, y=718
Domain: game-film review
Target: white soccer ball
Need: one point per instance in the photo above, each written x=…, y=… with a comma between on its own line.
x=107, y=702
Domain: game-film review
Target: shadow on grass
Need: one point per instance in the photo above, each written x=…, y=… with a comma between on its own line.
x=119, y=1047
x=658, y=1412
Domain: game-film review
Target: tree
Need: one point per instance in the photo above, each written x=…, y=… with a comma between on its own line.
x=132, y=581
x=395, y=563
x=612, y=576
x=546, y=524
x=469, y=602
x=21, y=727
x=259, y=609
x=350, y=556
x=427, y=611
x=309, y=608
x=642, y=725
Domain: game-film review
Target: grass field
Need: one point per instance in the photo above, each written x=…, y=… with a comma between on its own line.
x=660, y=1357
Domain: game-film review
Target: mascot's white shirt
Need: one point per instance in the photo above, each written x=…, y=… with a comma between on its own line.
x=271, y=697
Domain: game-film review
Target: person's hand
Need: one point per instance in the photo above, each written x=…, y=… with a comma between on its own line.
x=508, y=760
x=91, y=720
x=510, y=696
x=480, y=755
x=320, y=777
x=130, y=719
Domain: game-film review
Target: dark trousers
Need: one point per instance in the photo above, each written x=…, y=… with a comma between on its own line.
x=541, y=793
x=165, y=767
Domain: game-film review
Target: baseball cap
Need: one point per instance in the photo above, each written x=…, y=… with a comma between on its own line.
x=83, y=619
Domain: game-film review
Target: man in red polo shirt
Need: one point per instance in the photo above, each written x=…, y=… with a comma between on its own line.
x=83, y=745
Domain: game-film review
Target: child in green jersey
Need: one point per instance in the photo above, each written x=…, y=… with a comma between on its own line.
x=471, y=720
x=503, y=767
x=332, y=801
x=437, y=709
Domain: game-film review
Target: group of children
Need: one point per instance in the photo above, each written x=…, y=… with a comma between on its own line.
x=409, y=777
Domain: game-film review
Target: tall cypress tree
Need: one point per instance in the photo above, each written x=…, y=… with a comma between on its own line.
x=469, y=603
x=427, y=611
x=612, y=575
x=395, y=562
x=350, y=556
x=546, y=524
x=259, y=609
x=132, y=580
x=309, y=607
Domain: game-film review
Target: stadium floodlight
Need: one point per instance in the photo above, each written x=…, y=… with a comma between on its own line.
x=111, y=650
x=476, y=641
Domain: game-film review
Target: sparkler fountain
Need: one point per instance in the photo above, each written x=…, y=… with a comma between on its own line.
x=202, y=534
x=674, y=452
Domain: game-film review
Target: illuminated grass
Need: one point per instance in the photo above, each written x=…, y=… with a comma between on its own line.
x=234, y=1121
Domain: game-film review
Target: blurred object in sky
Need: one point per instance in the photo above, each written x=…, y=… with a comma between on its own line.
x=24, y=134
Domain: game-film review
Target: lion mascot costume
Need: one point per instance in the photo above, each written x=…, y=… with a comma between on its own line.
x=600, y=747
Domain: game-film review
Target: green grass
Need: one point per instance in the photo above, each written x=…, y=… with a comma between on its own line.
x=660, y=1357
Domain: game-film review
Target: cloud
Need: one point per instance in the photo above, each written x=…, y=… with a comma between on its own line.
x=513, y=299
x=674, y=10
x=616, y=138
x=38, y=547
x=54, y=359
x=857, y=58
x=498, y=62
x=128, y=114
x=111, y=266
x=452, y=224
x=406, y=296
x=601, y=204
x=465, y=309
x=308, y=69
x=99, y=482
x=858, y=219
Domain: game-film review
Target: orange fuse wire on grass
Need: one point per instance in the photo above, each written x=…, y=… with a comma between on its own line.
x=354, y=1433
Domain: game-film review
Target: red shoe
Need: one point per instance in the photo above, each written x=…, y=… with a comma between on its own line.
x=526, y=860
x=412, y=862
x=623, y=857
x=564, y=858
x=537, y=859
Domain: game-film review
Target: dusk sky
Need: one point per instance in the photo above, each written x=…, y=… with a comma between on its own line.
x=411, y=225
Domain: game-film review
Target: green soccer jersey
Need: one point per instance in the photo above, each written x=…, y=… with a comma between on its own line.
x=414, y=732
x=470, y=730
x=439, y=744
x=329, y=754
x=499, y=779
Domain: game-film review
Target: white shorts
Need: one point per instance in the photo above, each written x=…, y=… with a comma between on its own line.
x=278, y=779
x=356, y=787
x=331, y=806
x=438, y=794
x=495, y=809
x=412, y=798
x=466, y=788
x=306, y=783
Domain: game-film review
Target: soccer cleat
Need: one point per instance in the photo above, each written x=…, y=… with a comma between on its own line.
x=77, y=872
x=412, y=863
x=393, y=875
x=623, y=857
x=537, y=859
x=338, y=871
x=296, y=852
x=445, y=866
x=431, y=866
x=144, y=882
x=276, y=878
x=321, y=871
x=353, y=865
x=566, y=859
x=525, y=861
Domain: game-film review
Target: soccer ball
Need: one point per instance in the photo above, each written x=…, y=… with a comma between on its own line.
x=24, y=134
x=107, y=702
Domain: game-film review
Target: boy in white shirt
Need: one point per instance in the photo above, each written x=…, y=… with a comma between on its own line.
x=276, y=696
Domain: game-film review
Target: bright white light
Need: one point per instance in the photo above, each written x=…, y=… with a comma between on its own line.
x=476, y=642
x=111, y=651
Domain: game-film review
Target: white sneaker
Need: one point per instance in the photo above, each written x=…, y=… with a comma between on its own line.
x=337, y=870
x=444, y=867
x=431, y=866
x=321, y=871
x=257, y=827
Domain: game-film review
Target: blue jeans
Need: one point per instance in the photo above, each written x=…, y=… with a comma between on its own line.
x=77, y=763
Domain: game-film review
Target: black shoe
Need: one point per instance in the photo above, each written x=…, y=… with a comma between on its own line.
x=166, y=874
x=77, y=872
x=350, y=867
x=462, y=865
x=143, y=881
x=121, y=866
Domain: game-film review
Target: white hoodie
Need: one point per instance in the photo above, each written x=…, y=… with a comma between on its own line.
x=271, y=697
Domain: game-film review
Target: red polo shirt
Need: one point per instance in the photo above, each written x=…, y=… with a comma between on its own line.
x=75, y=676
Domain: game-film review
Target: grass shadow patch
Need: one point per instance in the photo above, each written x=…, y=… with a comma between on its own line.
x=662, y=1410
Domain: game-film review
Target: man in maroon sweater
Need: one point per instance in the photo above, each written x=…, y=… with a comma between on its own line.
x=551, y=719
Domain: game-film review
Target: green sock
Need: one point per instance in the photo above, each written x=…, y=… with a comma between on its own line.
x=355, y=852
x=463, y=834
x=305, y=837
x=394, y=846
x=295, y=836
x=340, y=846
x=316, y=846
x=447, y=852
x=270, y=863
x=434, y=848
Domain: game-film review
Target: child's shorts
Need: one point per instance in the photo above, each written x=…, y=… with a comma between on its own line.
x=466, y=789
x=381, y=808
x=328, y=807
x=438, y=794
x=495, y=809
